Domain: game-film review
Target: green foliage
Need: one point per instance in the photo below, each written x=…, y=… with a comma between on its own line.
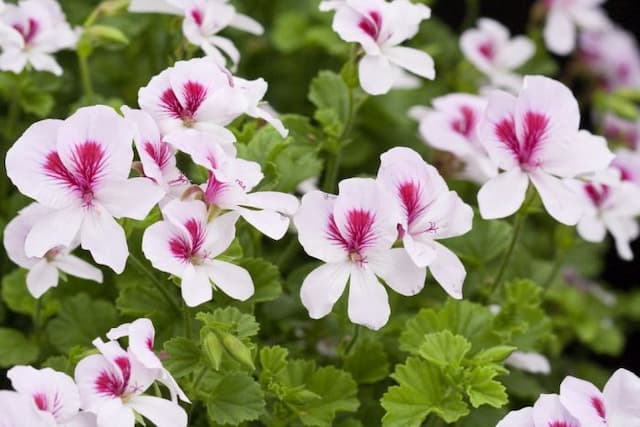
x=16, y=349
x=18, y=299
x=232, y=398
x=367, y=361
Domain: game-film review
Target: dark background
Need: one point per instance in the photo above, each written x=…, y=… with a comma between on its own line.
x=515, y=14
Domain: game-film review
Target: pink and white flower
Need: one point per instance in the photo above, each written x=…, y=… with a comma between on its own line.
x=380, y=27
x=80, y=168
x=564, y=17
x=428, y=212
x=43, y=271
x=141, y=335
x=53, y=394
x=535, y=137
x=31, y=32
x=490, y=48
x=547, y=412
x=185, y=244
x=353, y=234
x=627, y=163
x=112, y=384
x=613, y=207
x=157, y=157
x=451, y=125
x=618, y=405
x=622, y=131
x=534, y=363
x=17, y=409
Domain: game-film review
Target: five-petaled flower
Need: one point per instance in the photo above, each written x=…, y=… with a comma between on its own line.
x=491, y=50
x=451, y=125
x=428, y=212
x=548, y=411
x=185, y=244
x=380, y=27
x=31, y=32
x=43, y=271
x=535, y=137
x=565, y=16
x=79, y=168
x=353, y=235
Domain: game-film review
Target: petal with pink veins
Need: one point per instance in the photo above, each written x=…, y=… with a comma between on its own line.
x=156, y=246
x=549, y=411
x=584, y=401
x=141, y=342
x=621, y=393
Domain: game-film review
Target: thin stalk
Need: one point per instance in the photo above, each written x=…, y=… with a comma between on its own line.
x=85, y=75
x=356, y=335
x=558, y=262
x=289, y=252
x=517, y=226
x=186, y=315
x=161, y=287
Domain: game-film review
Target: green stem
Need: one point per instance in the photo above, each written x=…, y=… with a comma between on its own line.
x=85, y=75
x=186, y=314
x=289, y=253
x=473, y=9
x=161, y=287
x=356, y=335
x=555, y=269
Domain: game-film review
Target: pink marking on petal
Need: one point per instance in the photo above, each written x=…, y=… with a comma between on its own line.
x=466, y=124
x=371, y=24
x=598, y=405
x=149, y=343
x=215, y=189
x=109, y=384
x=488, y=50
x=196, y=14
x=561, y=424
x=160, y=153
x=359, y=233
x=187, y=248
x=30, y=32
x=41, y=401
x=535, y=130
x=410, y=194
x=194, y=94
x=598, y=193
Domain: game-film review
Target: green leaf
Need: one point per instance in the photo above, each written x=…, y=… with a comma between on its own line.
x=184, y=356
x=231, y=320
x=36, y=102
x=273, y=361
x=19, y=300
x=81, y=320
x=233, y=398
x=444, y=349
x=493, y=354
x=266, y=279
x=337, y=392
x=483, y=389
x=15, y=349
x=487, y=241
x=367, y=361
x=422, y=390
x=330, y=94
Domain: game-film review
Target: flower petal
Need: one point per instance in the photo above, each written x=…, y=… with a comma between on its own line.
x=560, y=33
x=548, y=411
x=156, y=247
x=196, y=287
x=559, y=200
x=41, y=277
x=591, y=228
x=270, y=223
x=162, y=412
x=412, y=60
x=421, y=253
x=503, y=195
x=114, y=413
x=59, y=228
x=323, y=287
x=584, y=401
x=77, y=267
x=232, y=280
x=133, y=198
x=448, y=271
x=398, y=271
x=105, y=239
x=368, y=300
x=621, y=395
x=583, y=153
x=376, y=74
x=520, y=418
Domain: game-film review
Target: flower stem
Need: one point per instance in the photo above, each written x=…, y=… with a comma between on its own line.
x=356, y=335
x=161, y=287
x=85, y=75
x=558, y=262
x=186, y=314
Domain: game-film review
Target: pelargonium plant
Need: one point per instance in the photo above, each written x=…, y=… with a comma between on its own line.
x=318, y=213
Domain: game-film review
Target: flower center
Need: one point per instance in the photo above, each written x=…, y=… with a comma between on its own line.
x=188, y=248
x=193, y=94
x=598, y=193
x=359, y=234
x=28, y=31
x=488, y=50
x=371, y=24
x=524, y=149
x=465, y=124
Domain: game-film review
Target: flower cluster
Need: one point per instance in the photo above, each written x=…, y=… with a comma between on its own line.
x=108, y=389
x=580, y=403
x=354, y=234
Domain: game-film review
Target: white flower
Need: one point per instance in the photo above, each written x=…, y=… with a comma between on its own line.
x=79, y=168
x=53, y=394
x=565, y=16
x=112, y=384
x=380, y=27
x=535, y=137
x=534, y=363
x=451, y=125
x=353, y=235
x=491, y=50
x=19, y=410
x=185, y=244
x=43, y=271
x=31, y=32
x=428, y=212
x=618, y=405
x=627, y=163
x=547, y=412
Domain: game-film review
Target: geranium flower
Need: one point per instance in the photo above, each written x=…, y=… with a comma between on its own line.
x=43, y=271
x=627, y=163
x=428, y=212
x=451, y=125
x=80, y=168
x=112, y=384
x=141, y=335
x=31, y=32
x=490, y=48
x=157, y=157
x=535, y=137
x=547, y=412
x=612, y=207
x=380, y=27
x=618, y=405
x=54, y=395
x=565, y=16
x=17, y=409
x=534, y=363
x=353, y=235
x=622, y=131
x=185, y=244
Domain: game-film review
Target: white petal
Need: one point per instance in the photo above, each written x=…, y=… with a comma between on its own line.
x=77, y=267
x=323, y=287
x=520, y=418
x=560, y=33
x=153, y=6
x=114, y=414
x=86, y=373
x=133, y=198
x=141, y=341
x=105, y=239
x=583, y=153
x=163, y=413
x=41, y=277
x=44, y=62
x=368, y=300
x=146, y=136
x=591, y=228
x=376, y=74
x=19, y=410
x=421, y=254
x=584, y=401
x=246, y=23
x=503, y=195
x=60, y=228
x=515, y=53
x=156, y=247
x=346, y=24
x=500, y=109
x=591, y=18
x=273, y=200
x=270, y=223
x=232, y=280
x=548, y=410
x=558, y=199
x=624, y=231
x=413, y=60
x=220, y=234
x=16, y=232
x=534, y=363
x=196, y=287
x=398, y=271
x=448, y=271
x=621, y=394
